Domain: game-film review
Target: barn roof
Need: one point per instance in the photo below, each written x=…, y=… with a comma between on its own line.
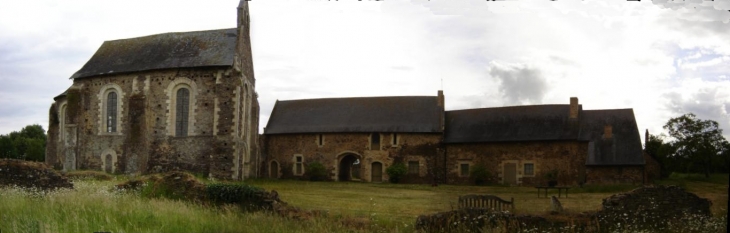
x=622, y=148
x=162, y=51
x=363, y=114
x=551, y=123
x=516, y=123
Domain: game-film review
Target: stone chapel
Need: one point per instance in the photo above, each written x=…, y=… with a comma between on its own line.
x=171, y=101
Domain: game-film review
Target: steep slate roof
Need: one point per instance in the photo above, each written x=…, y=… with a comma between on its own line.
x=623, y=148
x=162, y=51
x=364, y=114
x=516, y=123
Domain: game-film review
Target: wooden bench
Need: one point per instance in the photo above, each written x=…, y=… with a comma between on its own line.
x=486, y=202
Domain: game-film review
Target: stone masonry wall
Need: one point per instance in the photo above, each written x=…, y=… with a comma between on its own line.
x=145, y=141
x=615, y=175
x=281, y=149
x=567, y=157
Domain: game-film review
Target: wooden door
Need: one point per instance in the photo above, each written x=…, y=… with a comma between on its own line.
x=274, y=170
x=377, y=172
x=509, y=173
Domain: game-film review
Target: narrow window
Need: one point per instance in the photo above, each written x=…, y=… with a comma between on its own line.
x=298, y=166
x=395, y=139
x=375, y=141
x=529, y=169
x=320, y=140
x=464, y=170
x=413, y=167
x=182, y=109
x=111, y=112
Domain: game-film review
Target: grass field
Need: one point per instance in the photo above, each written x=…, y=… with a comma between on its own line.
x=92, y=207
x=393, y=204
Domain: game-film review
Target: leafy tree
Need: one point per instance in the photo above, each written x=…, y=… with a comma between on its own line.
x=28, y=144
x=698, y=141
x=663, y=151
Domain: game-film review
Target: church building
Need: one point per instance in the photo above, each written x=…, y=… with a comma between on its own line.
x=171, y=101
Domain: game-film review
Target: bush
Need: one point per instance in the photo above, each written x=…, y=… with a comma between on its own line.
x=316, y=171
x=246, y=196
x=480, y=174
x=396, y=171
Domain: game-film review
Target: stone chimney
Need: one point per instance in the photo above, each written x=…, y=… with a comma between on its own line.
x=607, y=132
x=573, y=107
x=646, y=137
x=441, y=105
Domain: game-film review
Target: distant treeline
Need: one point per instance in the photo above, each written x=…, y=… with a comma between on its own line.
x=28, y=144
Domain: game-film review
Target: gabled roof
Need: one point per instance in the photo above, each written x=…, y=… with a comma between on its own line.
x=364, y=114
x=162, y=51
x=624, y=146
x=516, y=123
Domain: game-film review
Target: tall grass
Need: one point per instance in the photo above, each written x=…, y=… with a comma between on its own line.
x=92, y=207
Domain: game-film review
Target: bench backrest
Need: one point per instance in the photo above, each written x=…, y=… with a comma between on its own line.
x=486, y=202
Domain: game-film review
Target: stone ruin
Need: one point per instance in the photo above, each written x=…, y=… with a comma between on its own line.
x=31, y=175
x=648, y=209
x=655, y=207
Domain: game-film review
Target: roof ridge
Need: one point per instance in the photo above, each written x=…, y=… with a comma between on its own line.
x=169, y=33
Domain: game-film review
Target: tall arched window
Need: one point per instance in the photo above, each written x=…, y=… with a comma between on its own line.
x=111, y=112
x=182, y=109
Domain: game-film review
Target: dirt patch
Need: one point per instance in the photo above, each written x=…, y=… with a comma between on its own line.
x=26, y=174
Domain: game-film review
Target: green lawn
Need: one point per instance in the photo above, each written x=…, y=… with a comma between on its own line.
x=91, y=206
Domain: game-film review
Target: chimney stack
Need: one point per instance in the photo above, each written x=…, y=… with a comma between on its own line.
x=573, y=107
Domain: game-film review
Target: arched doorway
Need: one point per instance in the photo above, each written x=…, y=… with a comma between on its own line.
x=274, y=170
x=345, y=169
x=377, y=172
x=108, y=163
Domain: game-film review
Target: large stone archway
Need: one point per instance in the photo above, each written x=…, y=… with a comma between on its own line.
x=348, y=167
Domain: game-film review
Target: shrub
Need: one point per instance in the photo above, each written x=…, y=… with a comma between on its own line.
x=396, y=171
x=246, y=196
x=480, y=174
x=316, y=171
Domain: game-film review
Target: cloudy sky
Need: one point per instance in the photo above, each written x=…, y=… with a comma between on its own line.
x=661, y=58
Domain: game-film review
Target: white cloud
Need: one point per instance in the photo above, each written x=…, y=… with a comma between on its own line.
x=610, y=54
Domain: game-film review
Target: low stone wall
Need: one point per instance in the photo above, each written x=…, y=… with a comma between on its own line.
x=646, y=209
x=27, y=174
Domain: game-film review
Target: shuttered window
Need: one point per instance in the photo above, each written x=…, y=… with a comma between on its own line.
x=182, y=109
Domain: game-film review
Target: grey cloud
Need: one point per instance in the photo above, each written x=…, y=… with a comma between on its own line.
x=519, y=84
x=706, y=103
x=701, y=18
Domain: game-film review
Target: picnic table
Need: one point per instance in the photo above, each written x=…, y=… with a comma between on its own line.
x=559, y=188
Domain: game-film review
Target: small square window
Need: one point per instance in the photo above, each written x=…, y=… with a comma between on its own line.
x=413, y=167
x=529, y=169
x=464, y=169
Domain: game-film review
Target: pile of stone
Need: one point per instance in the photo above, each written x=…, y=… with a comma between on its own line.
x=31, y=175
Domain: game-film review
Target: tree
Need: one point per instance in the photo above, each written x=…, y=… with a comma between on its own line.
x=663, y=152
x=28, y=144
x=698, y=141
